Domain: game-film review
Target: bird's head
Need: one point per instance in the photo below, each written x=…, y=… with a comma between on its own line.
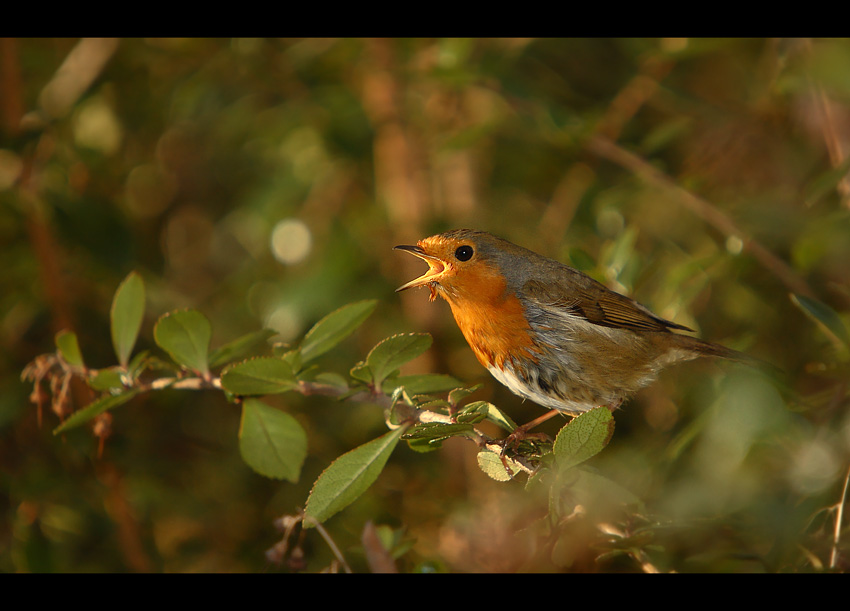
x=460, y=264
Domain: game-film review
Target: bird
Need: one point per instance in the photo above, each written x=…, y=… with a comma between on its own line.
x=548, y=332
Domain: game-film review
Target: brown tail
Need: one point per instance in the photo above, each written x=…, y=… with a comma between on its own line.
x=703, y=348
x=700, y=347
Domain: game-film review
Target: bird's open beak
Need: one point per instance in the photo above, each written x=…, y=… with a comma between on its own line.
x=436, y=267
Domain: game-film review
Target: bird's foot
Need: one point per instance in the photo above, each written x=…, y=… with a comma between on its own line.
x=521, y=433
x=512, y=442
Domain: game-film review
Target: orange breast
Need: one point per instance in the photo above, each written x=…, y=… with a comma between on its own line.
x=490, y=318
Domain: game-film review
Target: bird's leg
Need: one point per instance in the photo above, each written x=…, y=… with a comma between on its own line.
x=539, y=420
x=521, y=432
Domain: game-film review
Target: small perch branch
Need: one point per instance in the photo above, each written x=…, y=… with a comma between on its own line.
x=704, y=209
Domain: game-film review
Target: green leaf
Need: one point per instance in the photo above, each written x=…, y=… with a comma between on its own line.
x=393, y=352
x=128, y=309
x=349, y=476
x=825, y=317
x=93, y=409
x=294, y=360
x=459, y=394
x=585, y=436
x=421, y=383
x=139, y=363
x=361, y=372
x=426, y=402
x=239, y=347
x=271, y=442
x=424, y=445
x=107, y=379
x=473, y=413
x=334, y=328
x=66, y=342
x=185, y=336
x=438, y=430
x=494, y=414
x=259, y=376
x=331, y=380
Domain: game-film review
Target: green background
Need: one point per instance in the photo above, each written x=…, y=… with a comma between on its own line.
x=265, y=182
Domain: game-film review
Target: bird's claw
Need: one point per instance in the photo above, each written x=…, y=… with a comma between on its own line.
x=519, y=435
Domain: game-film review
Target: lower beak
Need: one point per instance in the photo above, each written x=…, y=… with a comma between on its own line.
x=435, y=267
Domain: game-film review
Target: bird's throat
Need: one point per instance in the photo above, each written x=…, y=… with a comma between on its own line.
x=494, y=325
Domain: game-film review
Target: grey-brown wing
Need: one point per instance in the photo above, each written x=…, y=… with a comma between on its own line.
x=581, y=295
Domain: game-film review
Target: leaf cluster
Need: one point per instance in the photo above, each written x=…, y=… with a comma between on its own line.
x=272, y=442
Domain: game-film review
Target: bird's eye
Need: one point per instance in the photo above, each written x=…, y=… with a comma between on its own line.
x=463, y=253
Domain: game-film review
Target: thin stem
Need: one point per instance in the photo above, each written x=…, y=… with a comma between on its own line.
x=839, y=518
x=330, y=542
x=701, y=208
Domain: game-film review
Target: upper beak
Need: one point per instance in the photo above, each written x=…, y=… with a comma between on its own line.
x=435, y=267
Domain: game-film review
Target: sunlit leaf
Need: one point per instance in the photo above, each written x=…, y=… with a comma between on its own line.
x=494, y=414
x=259, y=376
x=585, y=436
x=66, y=342
x=334, y=328
x=395, y=351
x=349, y=476
x=239, y=348
x=93, y=409
x=491, y=464
x=128, y=309
x=185, y=336
x=271, y=442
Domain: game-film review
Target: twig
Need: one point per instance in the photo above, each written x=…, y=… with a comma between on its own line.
x=53, y=365
x=579, y=178
x=839, y=517
x=81, y=67
x=829, y=130
x=701, y=208
x=632, y=97
x=329, y=541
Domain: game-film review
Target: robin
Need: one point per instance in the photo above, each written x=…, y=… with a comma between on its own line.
x=547, y=331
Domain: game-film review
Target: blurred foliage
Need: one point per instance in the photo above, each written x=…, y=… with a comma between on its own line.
x=265, y=182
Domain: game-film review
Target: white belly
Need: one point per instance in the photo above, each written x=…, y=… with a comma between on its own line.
x=517, y=386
